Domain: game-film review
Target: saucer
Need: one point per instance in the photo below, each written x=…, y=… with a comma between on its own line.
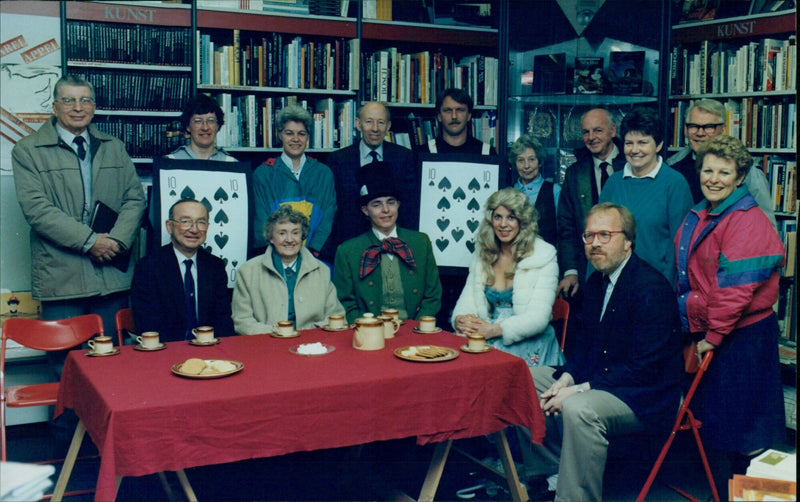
x=465, y=348
x=160, y=346
x=97, y=354
x=416, y=329
x=202, y=344
x=276, y=335
x=345, y=327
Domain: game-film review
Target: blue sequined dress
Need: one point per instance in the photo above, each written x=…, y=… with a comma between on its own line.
x=538, y=350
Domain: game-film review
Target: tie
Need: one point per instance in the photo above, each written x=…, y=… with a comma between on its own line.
x=372, y=255
x=81, y=148
x=188, y=290
x=603, y=174
x=374, y=155
x=606, y=284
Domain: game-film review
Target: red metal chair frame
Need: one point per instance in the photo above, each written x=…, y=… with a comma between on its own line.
x=124, y=321
x=561, y=313
x=685, y=421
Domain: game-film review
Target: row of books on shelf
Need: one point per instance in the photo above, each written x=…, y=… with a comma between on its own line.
x=624, y=75
x=278, y=61
x=132, y=90
x=724, y=67
x=145, y=137
x=250, y=121
x=782, y=176
x=128, y=43
x=393, y=77
x=756, y=122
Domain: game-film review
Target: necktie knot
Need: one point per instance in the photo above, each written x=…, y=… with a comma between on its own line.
x=80, y=142
x=374, y=155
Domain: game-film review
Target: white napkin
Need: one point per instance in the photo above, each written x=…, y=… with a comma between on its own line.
x=23, y=482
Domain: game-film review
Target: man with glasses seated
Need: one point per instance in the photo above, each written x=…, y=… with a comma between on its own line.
x=704, y=120
x=201, y=119
x=182, y=286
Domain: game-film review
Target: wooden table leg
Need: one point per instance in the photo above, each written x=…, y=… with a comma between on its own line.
x=187, y=487
x=69, y=462
x=435, y=471
x=517, y=489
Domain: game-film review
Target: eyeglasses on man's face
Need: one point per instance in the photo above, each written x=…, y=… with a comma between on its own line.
x=709, y=128
x=187, y=223
x=84, y=101
x=604, y=237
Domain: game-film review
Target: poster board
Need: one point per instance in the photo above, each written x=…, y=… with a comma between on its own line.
x=453, y=191
x=224, y=188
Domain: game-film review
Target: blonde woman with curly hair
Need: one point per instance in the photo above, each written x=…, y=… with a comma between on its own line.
x=512, y=283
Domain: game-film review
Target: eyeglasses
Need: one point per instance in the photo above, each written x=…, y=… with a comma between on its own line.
x=85, y=101
x=209, y=121
x=186, y=224
x=604, y=237
x=706, y=127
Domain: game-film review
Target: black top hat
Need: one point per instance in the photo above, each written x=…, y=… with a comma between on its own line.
x=375, y=180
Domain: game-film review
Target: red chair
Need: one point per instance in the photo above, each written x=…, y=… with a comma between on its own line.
x=124, y=322
x=561, y=313
x=685, y=421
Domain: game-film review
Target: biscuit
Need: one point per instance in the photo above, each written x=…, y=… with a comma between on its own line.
x=222, y=366
x=193, y=366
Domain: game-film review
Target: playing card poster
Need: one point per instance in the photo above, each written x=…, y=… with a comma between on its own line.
x=224, y=188
x=453, y=191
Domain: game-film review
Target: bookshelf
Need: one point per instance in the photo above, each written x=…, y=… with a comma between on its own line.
x=561, y=67
x=138, y=57
x=748, y=63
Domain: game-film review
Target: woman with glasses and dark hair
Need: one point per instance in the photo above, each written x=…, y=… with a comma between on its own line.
x=286, y=283
x=729, y=258
x=202, y=118
x=512, y=282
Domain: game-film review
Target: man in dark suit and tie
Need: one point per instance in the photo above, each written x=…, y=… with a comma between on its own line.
x=182, y=286
x=624, y=373
x=583, y=182
x=374, y=121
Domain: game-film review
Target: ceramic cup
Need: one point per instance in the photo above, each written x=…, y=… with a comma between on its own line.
x=204, y=334
x=476, y=342
x=284, y=328
x=368, y=334
x=148, y=339
x=390, y=327
x=394, y=313
x=427, y=323
x=336, y=321
x=101, y=344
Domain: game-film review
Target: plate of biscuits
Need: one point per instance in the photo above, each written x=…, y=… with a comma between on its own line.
x=206, y=368
x=426, y=353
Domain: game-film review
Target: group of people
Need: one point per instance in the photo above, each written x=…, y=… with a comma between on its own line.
x=669, y=255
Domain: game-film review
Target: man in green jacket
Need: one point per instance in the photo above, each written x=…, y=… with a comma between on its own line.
x=62, y=172
x=387, y=266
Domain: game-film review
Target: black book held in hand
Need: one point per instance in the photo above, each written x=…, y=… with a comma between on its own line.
x=103, y=220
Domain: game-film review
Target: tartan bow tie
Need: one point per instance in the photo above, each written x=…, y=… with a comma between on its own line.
x=372, y=255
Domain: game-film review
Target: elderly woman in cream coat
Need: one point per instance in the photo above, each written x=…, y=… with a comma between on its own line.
x=285, y=283
x=512, y=282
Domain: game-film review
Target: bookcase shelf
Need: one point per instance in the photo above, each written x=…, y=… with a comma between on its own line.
x=583, y=99
x=274, y=90
x=127, y=66
x=270, y=22
x=435, y=34
x=728, y=95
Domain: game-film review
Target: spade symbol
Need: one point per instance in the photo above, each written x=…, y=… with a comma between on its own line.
x=442, y=243
x=235, y=195
x=474, y=185
x=442, y=223
x=445, y=184
x=472, y=224
x=457, y=234
x=444, y=203
x=486, y=186
x=432, y=183
x=473, y=205
x=221, y=240
x=225, y=261
x=220, y=195
x=206, y=203
x=172, y=193
x=187, y=193
x=459, y=194
x=207, y=247
x=221, y=217
x=470, y=246
x=235, y=262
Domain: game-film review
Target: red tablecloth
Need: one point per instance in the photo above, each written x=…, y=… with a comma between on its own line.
x=144, y=419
